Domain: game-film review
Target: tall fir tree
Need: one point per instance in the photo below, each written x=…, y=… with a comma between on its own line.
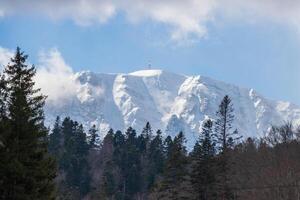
x=204, y=164
x=108, y=188
x=118, y=161
x=93, y=138
x=156, y=160
x=226, y=138
x=175, y=183
x=29, y=172
x=168, y=142
x=4, y=137
x=74, y=163
x=144, y=141
x=118, y=143
x=131, y=166
x=55, y=140
x=147, y=132
x=223, y=125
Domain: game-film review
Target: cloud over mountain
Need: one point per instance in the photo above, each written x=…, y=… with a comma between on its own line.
x=169, y=101
x=54, y=76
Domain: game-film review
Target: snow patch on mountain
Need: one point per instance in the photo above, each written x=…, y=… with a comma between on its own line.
x=169, y=101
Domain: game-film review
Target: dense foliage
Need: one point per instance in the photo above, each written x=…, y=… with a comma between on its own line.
x=149, y=166
x=26, y=169
x=135, y=166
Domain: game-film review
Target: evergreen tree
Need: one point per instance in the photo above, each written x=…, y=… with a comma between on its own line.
x=81, y=154
x=156, y=160
x=225, y=141
x=29, y=171
x=93, y=137
x=4, y=136
x=67, y=132
x=118, y=143
x=74, y=160
x=55, y=140
x=223, y=125
x=145, y=138
x=168, y=142
x=110, y=177
x=175, y=183
x=147, y=132
x=107, y=149
x=118, y=161
x=204, y=165
x=144, y=142
x=131, y=167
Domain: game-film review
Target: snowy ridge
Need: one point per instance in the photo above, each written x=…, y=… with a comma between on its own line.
x=168, y=101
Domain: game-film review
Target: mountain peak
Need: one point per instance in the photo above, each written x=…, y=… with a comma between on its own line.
x=121, y=100
x=147, y=72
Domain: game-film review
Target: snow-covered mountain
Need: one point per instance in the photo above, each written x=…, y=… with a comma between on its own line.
x=169, y=101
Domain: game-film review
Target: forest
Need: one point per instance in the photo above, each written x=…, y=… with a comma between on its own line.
x=70, y=161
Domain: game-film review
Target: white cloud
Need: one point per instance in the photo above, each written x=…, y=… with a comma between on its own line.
x=83, y=12
x=186, y=18
x=55, y=77
x=278, y=11
x=5, y=56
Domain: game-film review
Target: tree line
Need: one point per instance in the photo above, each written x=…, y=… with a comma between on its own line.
x=68, y=162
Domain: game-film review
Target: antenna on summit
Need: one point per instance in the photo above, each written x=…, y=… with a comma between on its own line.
x=149, y=64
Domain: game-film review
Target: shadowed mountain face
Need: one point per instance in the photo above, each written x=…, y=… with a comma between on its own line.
x=169, y=101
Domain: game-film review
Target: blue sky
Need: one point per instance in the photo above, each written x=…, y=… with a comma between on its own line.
x=257, y=53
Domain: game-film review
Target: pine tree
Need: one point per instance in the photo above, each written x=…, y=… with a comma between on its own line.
x=67, y=130
x=175, y=183
x=55, y=140
x=118, y=161
x=93, y=137
x=81, y=153
x=204, y=165
x=144, y=142
x=156, y=160
x=118, y=143
x=4, y=136
x=168, y=142
x=147, y=132
x=225, y=142
x=29, y=171
x=223, y=125
x=74, y=160
x=108, y=187
x=131, y=166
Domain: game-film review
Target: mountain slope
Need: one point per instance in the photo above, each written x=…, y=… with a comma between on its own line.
x=168, y=101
